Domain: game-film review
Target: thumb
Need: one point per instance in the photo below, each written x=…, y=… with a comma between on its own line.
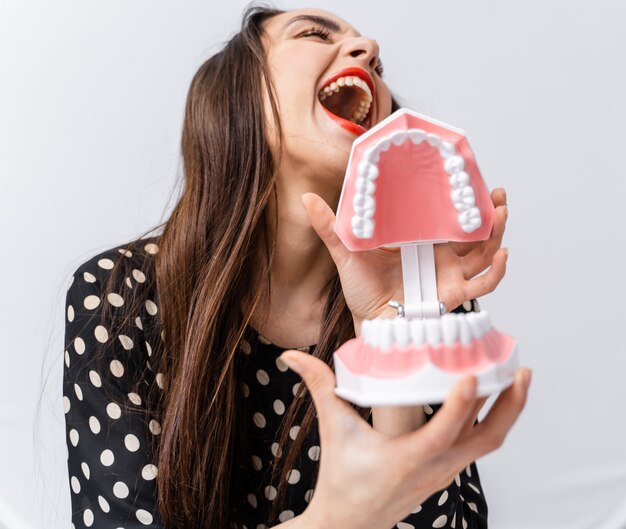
x=320, y=380
x=323, y=219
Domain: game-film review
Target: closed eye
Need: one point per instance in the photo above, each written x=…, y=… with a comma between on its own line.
x=320, y=32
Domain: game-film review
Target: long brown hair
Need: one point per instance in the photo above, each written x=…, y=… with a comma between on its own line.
x=215, y=251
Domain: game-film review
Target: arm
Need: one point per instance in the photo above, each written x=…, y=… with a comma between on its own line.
x=112, y=478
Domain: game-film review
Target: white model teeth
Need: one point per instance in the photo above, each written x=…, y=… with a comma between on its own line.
x=462, y=193
x=402, y=332
x=350, y=80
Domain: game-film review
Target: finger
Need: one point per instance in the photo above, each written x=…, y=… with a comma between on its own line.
x=481, y=285
x=490, y=433
x=444, y=427
x=323, y=219
x=320, y=380
x=480, y=257
x=471, y=421
x=498, y=197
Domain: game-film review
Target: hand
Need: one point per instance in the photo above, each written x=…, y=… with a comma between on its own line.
x=368, y=479
x=370, y=279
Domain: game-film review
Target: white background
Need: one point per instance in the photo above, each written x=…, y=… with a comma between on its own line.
x=91, y=102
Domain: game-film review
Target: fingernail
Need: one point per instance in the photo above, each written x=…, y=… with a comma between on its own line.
x=290, y=362
x=469, y=388
x=527, y=377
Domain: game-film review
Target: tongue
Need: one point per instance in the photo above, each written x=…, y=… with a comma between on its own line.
x=344, y=103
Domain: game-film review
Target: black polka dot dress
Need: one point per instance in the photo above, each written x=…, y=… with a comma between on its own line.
x=111, y=436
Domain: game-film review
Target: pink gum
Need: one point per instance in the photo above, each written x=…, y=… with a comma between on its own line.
x=361, y=358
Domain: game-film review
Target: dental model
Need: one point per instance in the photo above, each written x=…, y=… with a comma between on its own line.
x=412, y=182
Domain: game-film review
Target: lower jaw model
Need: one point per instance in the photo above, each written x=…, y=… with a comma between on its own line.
x=413, y=182
x=406, y=361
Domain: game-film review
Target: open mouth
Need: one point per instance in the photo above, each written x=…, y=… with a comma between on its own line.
x=348, y=98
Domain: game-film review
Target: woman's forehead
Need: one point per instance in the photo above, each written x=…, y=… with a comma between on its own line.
x=282, y=22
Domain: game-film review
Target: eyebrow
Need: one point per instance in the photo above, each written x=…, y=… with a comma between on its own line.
x=327, y=23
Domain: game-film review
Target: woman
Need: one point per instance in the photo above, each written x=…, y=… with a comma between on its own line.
x=180, y=408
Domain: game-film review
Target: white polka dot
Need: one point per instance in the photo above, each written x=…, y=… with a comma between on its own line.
x=139, y=276
x=262, y=377
x=67, y=359
x=75, y=484
x=441, y=521
x=293, y=476
x=102, y=335
x=270, y=492
x=138, y=322
x=85, y=468
x=160, y=380
x=468, y=471
x=107, y=264
x=263, y=339
x=107, y=458
x=417, y=509
x=457, y=480
x=149, y=472
x=453, y=522
x=74, y=437
x=443, y=498
x=276, y=450
x=155, y=427
x=474, y=487
x=293, y=432
x=472, y=506
x=259, y=419
x=281, y=365
x=95, y=379
x=94, y=425
x=144, y=516
x=428, y=410
x=117, y=368
x=131, y=442
x=115, y=299
x=70, y=313
x=149, y=349
x=279, y=407
x=245, y=390
x=245, y=347
x=89, y=278
x=91, y=302
x=286, y=515
x=257, y=464
x=104, y=505
x=66, y=405
x=404, y=525
x=88, y=517
x=120, y=489
x=151, y=248
x=252, y=500
x=295, y=389
x=464, y=523
x=314, y=453
x=308, y=495
x=79, y=345
x=126, y=342
x=135, y=399
x=151, y=307
x=78, y=391
x=114, y=411
x=124, y=252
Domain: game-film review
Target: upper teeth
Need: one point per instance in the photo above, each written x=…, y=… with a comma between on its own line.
x=350, y=80
x=462, y=193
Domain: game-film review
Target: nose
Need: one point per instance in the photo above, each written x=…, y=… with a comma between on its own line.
x=364, y=48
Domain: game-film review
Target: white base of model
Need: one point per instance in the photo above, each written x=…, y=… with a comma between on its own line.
x=428, y=385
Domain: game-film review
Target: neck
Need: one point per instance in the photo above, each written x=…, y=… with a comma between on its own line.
x=301, y=269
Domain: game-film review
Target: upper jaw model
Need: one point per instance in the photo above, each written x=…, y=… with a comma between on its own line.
x=411, y=182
